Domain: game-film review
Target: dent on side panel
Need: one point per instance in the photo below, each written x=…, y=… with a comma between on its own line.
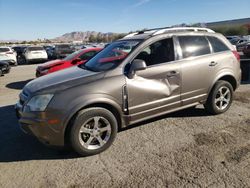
x=151, y=90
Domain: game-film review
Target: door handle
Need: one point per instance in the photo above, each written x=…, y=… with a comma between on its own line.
x=172, y=74
x=213, y=63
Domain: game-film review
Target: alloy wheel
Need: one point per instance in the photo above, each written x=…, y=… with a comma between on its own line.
x=223, y=98
x=95, y=133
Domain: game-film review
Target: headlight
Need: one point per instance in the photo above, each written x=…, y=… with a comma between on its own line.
x=39, y=103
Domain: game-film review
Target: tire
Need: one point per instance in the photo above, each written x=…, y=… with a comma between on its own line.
x=220, y=98
x=93, y=131
x=1, y=72
x=26, y=62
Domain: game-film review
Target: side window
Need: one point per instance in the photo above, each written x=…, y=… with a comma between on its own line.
x=194, y=46
x=217, y=44
x=159, y=52
x=87, y=55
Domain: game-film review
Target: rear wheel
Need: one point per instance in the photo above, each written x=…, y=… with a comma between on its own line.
x=220, y=98
x=93, y=131
x=1, y=72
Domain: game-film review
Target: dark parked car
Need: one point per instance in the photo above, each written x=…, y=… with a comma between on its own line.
x=164, y=71
x=63, y=50
x=50, y=51
x=246, y=50
x=4, y=68
x=20, y=53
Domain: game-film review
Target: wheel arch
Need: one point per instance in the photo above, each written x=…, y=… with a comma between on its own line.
x=226, y=77
x=109, y=105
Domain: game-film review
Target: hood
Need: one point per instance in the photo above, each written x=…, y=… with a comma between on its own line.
x=52, y=63
x=62, y=80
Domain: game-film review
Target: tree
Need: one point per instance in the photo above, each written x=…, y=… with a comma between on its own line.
x=232, y=30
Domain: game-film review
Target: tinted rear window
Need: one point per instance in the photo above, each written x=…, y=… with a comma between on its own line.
x=217, y=44
x=194, y=46
x=4, y=49
x=35, y=48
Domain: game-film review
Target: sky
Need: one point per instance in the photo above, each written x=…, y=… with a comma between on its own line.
x=33, y=19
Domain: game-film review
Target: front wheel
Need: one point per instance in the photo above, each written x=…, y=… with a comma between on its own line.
x=220, y=98
x=93, y=131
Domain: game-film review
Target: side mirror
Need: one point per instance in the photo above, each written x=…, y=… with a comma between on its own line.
x=136, y=65
x=75, y=61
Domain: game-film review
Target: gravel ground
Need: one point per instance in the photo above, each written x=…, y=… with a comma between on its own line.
x=183, y=149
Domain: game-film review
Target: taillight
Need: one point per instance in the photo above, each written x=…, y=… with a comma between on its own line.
x=237, y=55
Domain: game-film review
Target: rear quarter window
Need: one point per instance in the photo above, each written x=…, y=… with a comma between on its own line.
x=35, y=48
x=217, y=44
x=193, y=46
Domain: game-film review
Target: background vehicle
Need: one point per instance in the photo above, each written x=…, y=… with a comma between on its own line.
x=35, y=54
x=63, y=50
x=20, y=53
x=4, y=68
x=232, y=37
x=87, y=104
x=239, y=43
x=8, y=55
x=246, y=50
x=50, y=51
x=76, y=58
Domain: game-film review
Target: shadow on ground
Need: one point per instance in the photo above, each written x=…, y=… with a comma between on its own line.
x=190, y=112
x=17, y=146
x=18, y=85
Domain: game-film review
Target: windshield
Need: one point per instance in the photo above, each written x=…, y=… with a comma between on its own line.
x=72, y=56
x=111, y=56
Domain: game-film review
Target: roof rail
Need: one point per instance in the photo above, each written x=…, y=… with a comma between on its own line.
x=176, y=29
x=158, y=31
x=140, y=32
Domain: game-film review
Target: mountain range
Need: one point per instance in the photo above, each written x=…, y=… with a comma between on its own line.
x=82, y=36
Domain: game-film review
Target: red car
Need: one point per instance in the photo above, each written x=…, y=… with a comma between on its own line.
x=73, y=59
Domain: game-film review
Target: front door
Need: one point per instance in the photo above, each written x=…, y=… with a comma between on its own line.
x=157, y=89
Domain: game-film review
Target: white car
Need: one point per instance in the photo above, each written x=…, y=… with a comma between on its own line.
x=35, y=53
x=8, y=55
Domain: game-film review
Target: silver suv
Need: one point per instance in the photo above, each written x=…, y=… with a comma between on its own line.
x=141, y=76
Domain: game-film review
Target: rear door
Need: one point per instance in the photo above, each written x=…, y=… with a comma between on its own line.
x=197, y=67
x=156, y=89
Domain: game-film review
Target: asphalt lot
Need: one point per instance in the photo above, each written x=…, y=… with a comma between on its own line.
x=184, y=149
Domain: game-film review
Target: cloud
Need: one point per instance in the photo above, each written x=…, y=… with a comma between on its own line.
x=140, y=3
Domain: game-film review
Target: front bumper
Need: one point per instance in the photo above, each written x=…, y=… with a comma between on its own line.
x=37, y=124
x=40, y=73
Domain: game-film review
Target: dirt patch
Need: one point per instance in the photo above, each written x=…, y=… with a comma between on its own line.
x=237, y=155
x=220, y=138
x=242, y=97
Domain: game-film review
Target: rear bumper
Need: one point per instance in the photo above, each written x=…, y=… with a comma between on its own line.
x=36, y=124
x=37, y=59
